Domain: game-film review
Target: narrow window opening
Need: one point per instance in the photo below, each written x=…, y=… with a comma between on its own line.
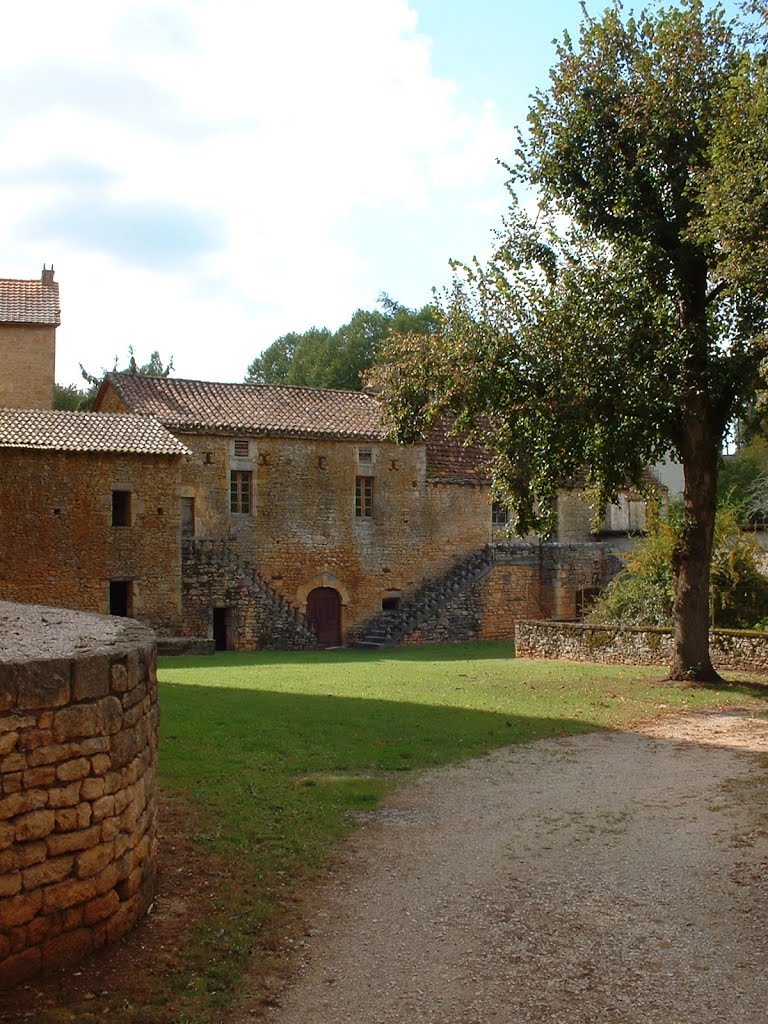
x=121, y=508
x=364, y=497
x=365, y=456
x=242, y=448
x=390, y=604
x=240, y=481
x=221, y=629
x=499, y=515
x=187, y=509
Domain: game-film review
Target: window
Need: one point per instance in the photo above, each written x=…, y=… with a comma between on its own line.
x=499, y=515
x=364, y=497
x=241, y=448
x=240, y=490
x=365, y=456
x=121, y=508
x=187, y=510
x=626, y=516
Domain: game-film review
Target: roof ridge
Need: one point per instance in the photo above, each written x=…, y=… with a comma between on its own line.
x=123, y=375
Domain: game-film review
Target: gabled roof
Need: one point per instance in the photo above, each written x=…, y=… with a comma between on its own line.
x=256, y=409
x=29, y=302
x=449, y=457
x=54, y=430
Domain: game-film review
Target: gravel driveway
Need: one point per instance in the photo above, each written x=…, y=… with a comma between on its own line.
x=611, y=877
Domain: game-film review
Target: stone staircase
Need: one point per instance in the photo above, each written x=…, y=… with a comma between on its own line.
x=215, y=559
x=391, y=627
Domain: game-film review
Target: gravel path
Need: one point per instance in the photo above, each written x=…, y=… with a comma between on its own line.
x=611, y=878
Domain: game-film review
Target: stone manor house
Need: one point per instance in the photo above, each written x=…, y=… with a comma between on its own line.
x=243, y=516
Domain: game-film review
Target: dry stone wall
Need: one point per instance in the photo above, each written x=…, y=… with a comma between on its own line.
x=738, y=650
x=78, y=780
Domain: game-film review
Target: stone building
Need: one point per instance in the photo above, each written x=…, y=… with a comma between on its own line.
x=89, y=514
x=29, y=316
x=254, y=515
x=300, y=519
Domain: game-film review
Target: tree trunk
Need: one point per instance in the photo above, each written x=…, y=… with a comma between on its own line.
x=693, y=552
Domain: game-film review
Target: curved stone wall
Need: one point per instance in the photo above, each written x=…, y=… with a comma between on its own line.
x=78, y=782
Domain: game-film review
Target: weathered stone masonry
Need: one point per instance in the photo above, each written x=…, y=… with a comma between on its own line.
x=78, y=768
x=740, y=650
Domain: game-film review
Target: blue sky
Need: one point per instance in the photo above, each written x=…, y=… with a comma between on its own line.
x=206, y=175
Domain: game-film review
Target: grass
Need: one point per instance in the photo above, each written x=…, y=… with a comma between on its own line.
x=278, y=751
x=277, y=755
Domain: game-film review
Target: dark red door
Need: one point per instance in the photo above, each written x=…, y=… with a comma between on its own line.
x=324, y=614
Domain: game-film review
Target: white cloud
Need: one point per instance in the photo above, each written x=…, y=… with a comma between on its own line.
x=230, y=145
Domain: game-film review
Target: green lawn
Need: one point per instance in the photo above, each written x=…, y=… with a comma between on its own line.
x=276, y=751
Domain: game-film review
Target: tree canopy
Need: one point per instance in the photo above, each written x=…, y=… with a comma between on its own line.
x=626, y=317
x=79, y=399
x=322, y=358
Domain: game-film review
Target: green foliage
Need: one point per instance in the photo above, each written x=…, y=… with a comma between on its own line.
x=744, y=481
x=73, y=398
x=643, y=593
x=616, y=324
x=322, y=358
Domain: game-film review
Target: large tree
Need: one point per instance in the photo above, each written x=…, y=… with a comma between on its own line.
x=624, y=318
x=322, y=358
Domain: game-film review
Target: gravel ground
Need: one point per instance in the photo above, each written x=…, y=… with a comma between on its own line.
x=611, y=877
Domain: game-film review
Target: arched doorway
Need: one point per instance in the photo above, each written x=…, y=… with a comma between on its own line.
x=324, y=615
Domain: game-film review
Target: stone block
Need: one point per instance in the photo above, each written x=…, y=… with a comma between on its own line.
x=100, y=764
x=71, y=818
x=21, y=855
x=15, y=762
x=42, y=776
x=78, y=768
x=90, y=677
x=8, y=741
x=92, y=789
x=69, y=842
x=54, y=869
x=134, y=695
x=20, y=909
x=103, y=808
x=65, y=796
x=110, y=827
x=35, y=825
x=50, y=754
x=44, y=685
x=94, y=860
x=67, y=894
x=101, y=908
x=108, y=878
x=119, y=681
x=32, y=738
x=110, y=712
x=11, y=783
x=79, y=720
x=112, y=781
x=10, y=885
x=7, y=834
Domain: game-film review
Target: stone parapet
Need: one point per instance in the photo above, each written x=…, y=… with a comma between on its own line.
x=78, y=784
x=739, y=650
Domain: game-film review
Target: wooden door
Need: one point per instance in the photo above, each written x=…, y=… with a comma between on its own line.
x=324, y=614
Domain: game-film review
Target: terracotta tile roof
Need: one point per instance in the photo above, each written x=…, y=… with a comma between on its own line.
x=86, y=432
x=450, y=458
x=256, y=409
x=29, y=302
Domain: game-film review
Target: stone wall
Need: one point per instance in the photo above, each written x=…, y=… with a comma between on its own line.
x=738, y=650
x=28, y=354
x=78, y=759
x=215, y=576
x=60, y=547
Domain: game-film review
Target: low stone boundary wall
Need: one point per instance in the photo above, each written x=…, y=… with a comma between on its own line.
x=740, y=650
x=78, y=757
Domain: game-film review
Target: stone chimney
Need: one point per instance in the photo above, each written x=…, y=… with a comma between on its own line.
x=47, y=276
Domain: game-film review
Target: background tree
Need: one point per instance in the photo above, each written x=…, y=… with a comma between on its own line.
x=321, y=358
x=80, y=399
x=617, y=324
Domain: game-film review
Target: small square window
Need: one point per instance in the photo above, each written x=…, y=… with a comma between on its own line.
x=499, y=515
x=121, y=508
x=365, y=456
x=240, y=491
x=364, y=497
x=242, y=448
